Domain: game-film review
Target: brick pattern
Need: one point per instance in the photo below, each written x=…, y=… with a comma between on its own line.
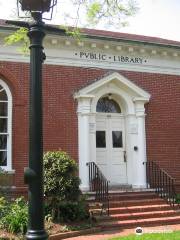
x=60, y=118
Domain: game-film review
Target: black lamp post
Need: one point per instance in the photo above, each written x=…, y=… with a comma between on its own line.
x=34, y=173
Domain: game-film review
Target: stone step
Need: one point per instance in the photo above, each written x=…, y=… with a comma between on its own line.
x=124, y=191
x=136, y=202
x=133, y=191
x=124, y=195
x=139, y=222
x=137, y=215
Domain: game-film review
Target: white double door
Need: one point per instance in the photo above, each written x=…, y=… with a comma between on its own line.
x=110, y=147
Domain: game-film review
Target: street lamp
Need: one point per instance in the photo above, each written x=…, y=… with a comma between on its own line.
x=40, y=6
x=34, y=5
x=34, y=173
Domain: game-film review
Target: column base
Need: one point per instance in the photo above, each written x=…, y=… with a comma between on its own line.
x=84, y=188
x=139, y=186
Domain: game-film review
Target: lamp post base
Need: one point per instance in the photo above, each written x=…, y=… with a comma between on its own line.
x=36, y=234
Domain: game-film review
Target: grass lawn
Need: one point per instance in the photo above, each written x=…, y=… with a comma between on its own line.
x=152, y=236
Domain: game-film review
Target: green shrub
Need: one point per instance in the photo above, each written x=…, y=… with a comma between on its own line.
x=14, y=216
x=61, y=182
x=178, y=198
x=70, y=211
x=3, y=208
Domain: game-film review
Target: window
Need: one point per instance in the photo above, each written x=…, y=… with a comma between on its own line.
x=108, y=106
x=100, y=139
x=5, y=126
x=117, y=139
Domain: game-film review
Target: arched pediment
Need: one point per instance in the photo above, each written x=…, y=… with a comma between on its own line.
x=117, y=85
x=114, y=79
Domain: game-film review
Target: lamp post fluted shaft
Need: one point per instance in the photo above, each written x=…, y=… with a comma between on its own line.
x=34, y=173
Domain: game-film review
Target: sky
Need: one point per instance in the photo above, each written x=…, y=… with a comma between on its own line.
x=157, y=18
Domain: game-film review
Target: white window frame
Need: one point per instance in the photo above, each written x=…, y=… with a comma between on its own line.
x=9, y=127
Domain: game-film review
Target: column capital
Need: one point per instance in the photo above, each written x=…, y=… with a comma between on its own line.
x=84, y=104
x=139, y=106
x=140, y=100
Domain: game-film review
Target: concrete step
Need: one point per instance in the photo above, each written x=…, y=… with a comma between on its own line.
x=108, y=225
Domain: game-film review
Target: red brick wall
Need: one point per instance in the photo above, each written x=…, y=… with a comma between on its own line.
x=60, y=119
x=163, y=114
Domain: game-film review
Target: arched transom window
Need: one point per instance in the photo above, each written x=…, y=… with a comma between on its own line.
x=5, y=126
x=107, y=105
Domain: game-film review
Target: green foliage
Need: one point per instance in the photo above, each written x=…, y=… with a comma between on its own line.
x=107, y=12
x=14, y=215
x=19, y=36
x=60, y=176
x=94, y=8
x=87, y=13
x=178, y=198
x=61, y=182
x=153, y=236
x=73, y=32
x=67, y=228
x=3, y=207
x=71, y=211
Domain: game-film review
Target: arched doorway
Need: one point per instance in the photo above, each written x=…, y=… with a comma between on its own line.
x=110, y=140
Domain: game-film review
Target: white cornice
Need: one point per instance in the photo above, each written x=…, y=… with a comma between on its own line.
x=67, y=51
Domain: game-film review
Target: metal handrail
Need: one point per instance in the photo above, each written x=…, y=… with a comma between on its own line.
x=99, y=184
x=161, y=181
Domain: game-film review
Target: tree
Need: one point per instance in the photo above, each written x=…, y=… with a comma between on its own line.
x=86, y=13
x=100, y=13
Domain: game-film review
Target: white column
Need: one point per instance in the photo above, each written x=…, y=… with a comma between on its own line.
x=84, y=140
x=131, y=140
x=92, y=132
x=140, y=152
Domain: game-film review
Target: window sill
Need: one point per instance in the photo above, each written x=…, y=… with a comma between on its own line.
x=8, y=171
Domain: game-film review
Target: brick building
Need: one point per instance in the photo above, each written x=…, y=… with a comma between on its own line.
x=111, y=98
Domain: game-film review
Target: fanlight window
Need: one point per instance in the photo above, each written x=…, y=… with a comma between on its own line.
x=108, y=106
x=5, y=129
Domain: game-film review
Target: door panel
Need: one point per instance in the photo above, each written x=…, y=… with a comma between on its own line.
x=110, y=158
x=118, y=176
x=101, y=148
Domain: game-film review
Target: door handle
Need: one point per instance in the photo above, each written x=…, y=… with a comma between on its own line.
x=125, y=157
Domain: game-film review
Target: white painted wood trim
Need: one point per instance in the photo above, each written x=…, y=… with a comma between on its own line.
x=9, y=138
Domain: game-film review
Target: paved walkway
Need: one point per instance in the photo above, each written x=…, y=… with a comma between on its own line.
x=116, y=233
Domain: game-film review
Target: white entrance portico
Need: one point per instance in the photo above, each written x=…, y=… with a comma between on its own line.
x=115, y=140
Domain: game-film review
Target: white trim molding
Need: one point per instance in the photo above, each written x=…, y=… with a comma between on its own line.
x=9, y=127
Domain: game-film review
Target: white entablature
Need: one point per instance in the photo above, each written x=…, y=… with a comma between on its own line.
x=102, y=53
